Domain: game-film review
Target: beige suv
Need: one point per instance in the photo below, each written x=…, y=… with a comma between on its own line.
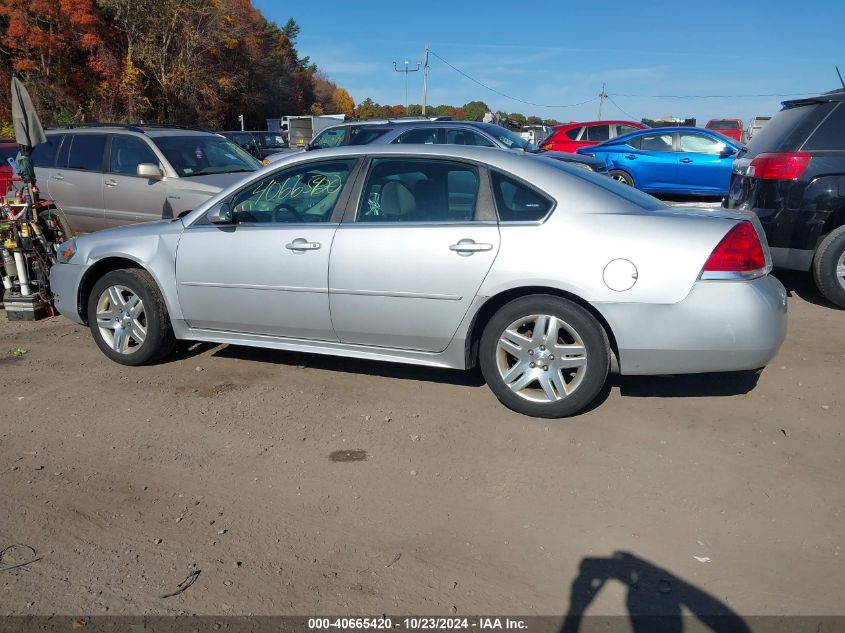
x=106, y=176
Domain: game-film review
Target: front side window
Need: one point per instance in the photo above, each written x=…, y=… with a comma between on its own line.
x=86, y=152
x=598, y=133
x=333, y=137
x=429, y=191
x=700, y=144
x=426, y=136
x=44, y=155
x=302, y=193
x=656, y=142
x=127, y=152
x=517, y=202
x=200, y=155
x=466, y=137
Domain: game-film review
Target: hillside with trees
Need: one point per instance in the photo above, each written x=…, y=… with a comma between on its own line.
x=196, y=62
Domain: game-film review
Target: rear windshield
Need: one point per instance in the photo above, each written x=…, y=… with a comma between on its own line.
x=830, y=135
x=202, y=155
x=634, y=196
x=723, y=125
x=787, y=130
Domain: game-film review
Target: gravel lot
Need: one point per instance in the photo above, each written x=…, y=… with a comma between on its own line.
x=301, y=484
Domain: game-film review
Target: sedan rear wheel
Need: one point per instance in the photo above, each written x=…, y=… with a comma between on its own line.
x=621, y=176
x=544, y=356
x=128, y=318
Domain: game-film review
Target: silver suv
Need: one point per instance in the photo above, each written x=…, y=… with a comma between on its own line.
x=106, y=176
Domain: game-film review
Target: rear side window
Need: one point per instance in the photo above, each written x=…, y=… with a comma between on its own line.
x=656, y=142
x=830, y=135
x=517, y=202
x=598, y=133
x=466, y=137
x=365, y=135
x=86, y=152
x=428, y=191
x=427, y=136
x=573, y=133
x=44, y=155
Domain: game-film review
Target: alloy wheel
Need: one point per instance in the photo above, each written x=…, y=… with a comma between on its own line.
x=840, y=270
x=121, y=319
x=541, y=358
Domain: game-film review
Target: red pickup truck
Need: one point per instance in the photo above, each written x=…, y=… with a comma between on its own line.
x=729, y=127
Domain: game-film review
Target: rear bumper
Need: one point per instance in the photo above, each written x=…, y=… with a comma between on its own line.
x=64, y=283
x=719, y=326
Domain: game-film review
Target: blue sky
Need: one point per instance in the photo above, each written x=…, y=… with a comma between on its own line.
x=556, y=53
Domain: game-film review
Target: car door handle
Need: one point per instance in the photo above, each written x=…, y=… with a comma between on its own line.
x=301, y=244
x=630, y=157
x=58, y=177
x=685, y=160
x=111, y=183
x=468, y=247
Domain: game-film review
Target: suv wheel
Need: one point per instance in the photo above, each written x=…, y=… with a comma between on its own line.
x=128, y=318
x=544, y=356
x=829, y=267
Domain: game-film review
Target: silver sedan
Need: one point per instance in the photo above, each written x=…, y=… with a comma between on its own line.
x=542, y=274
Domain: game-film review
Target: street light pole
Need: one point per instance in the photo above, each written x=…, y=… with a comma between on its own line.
x=425, y=79
x=406, y=70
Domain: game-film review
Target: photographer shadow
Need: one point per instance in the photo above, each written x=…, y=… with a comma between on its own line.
x=655, y=601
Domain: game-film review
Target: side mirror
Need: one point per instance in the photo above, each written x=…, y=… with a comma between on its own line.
x=309, y=147
x=728, y=151
x=221, y=214
x=148, y=170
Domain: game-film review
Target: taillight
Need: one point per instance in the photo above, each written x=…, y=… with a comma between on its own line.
x=739, y=251
x=779, y=165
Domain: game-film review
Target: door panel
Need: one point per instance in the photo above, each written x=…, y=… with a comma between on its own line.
x=700, y=167
x=246, y=278
x=654, y=165
x=127, y=198
x=404, y=286
x=80, y=195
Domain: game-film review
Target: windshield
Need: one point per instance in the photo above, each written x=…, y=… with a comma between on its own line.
x=201, y=155
x=511, y=140
x=269, y=139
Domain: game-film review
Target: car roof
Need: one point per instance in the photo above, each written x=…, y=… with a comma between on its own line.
x=668, y=130
x=153, y=132
x=572, y=124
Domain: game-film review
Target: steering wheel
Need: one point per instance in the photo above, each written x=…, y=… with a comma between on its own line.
x=289, y=209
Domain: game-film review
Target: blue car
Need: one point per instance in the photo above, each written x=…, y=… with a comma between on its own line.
x=678, y=160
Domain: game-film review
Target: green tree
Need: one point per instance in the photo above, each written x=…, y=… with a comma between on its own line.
x=474, y=110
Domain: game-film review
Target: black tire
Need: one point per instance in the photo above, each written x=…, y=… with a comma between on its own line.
x=158, y=340
x=830, y=255
x=576, y=320
x=621, y=176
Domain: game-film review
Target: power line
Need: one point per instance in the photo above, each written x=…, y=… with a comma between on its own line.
x=507, y=96
x=773, y=94
x=618, y=107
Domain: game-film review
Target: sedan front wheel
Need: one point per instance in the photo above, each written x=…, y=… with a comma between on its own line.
x=128, y=317
x=544, y=356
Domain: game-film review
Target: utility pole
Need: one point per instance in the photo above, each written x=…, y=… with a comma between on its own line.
x=406, y=70
x=602, y=97
x=425, y=78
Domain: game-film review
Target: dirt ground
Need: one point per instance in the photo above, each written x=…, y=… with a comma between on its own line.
x=300, y=484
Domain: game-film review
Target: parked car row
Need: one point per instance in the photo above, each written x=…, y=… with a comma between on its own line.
x=260, y=144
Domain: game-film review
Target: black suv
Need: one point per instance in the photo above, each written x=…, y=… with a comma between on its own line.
x=792, y=175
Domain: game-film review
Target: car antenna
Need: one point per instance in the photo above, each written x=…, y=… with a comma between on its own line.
x=840, y=77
